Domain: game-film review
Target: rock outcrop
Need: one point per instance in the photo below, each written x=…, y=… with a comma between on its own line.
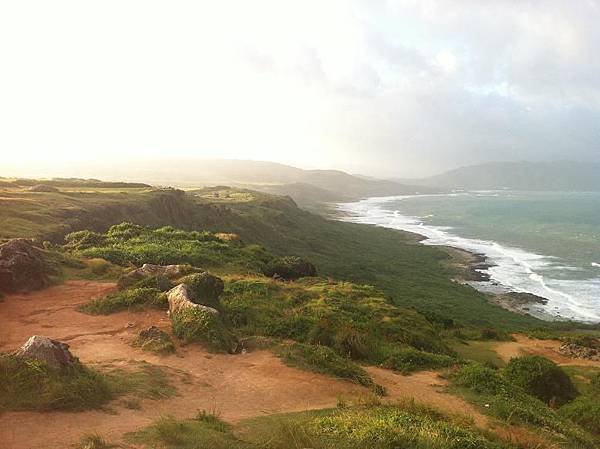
x=54, y=353
x=150, y=270
x=180, y=300
x=576, y=351
x=22, y=267
x=204, y=288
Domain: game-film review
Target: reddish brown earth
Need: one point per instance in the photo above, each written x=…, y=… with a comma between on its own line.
x=236, y=386
x=525, y=345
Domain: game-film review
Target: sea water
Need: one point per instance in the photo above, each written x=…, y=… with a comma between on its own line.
x=544, y=243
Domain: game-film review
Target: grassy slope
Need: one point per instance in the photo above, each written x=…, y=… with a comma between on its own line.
x=413, y=275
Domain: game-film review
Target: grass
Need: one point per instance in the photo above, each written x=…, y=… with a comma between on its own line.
x=479, y=351
x=199, y=325
x=158, y=342
x=126, y=244
x=356, y=321
x=32, y=385
x=497, y=396
x=321, y=359
x=93, y=441
x=402, y=425
x=133, y=299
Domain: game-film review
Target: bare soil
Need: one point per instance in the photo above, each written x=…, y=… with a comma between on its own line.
x=235, y=386
x=525, y=345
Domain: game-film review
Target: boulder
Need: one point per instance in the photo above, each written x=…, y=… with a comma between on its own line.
x=54, y=353
x=180, y=300
x=22, y=267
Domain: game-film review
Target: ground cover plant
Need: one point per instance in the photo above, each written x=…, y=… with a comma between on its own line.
x=33, y=385
x=355, y=321
x=498, y=396
x=376, y=426
x=135, y=298
x=128, y=243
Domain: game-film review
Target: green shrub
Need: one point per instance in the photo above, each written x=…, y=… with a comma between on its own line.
x=541, y=378
x=204, y=289
x=84, y=239
x=322, y=359
x=33, y=385
x=157, y=282
x=135, y=298
x=409, y=360
x=585, y=411
x=93, y=441
x=482, y=380
x=200, y=325
x=290, y=268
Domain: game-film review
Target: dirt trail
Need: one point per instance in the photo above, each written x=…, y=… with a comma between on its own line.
x=532, y=346
x=237, y=386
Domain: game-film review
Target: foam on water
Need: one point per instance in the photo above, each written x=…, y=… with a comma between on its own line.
x=513, y=268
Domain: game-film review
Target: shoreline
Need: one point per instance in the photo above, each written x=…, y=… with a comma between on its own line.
x=472, y=269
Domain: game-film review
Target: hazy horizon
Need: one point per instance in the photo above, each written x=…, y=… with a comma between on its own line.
x=389, y=88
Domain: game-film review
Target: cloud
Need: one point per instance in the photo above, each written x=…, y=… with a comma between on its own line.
x=406, y=87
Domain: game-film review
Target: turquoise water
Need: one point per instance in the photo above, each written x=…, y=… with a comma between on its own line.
x=546, y=243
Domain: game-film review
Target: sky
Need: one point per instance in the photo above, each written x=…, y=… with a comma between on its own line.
x=387, y=88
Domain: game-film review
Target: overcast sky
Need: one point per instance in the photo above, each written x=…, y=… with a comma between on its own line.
x=408, y=87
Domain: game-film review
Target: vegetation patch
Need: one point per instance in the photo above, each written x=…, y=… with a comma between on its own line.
x=135, y=298
x=321, y=359
x=33, y=385
x=542, y=378
x=93, y=441
x=499, y=397
x=290, y=268
x=356, y=321
x=127, y=243
x=201, y=325
x=206, y=431
x=155, y=340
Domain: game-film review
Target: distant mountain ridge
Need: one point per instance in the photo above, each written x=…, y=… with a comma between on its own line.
x=551, y=176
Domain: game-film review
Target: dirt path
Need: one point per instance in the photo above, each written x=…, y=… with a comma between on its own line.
x=532, y=346
x=236, y=386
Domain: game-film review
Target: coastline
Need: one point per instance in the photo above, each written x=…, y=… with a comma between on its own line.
x=471, y=268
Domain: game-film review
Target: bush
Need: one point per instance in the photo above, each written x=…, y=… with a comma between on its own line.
x=290, y=268
x=541, y=378
x=482, y=380
x=84, y=239
x=204, y=288
x=200, y=325
x=409, y=360
x=157, y=282
x=136, y=298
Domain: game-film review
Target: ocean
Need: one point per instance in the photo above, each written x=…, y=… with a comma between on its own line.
x=544, y=243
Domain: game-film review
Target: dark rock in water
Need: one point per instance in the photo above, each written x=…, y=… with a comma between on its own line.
x=54, y=353
x=526, y=298
x=22, y=267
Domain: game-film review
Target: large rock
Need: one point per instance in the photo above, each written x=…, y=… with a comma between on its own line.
x=22, y=267
x=180, y=300
x=54, y=353
x=204, y=288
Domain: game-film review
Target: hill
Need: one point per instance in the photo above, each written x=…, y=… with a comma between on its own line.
x=549, y=176
x=413, y=275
